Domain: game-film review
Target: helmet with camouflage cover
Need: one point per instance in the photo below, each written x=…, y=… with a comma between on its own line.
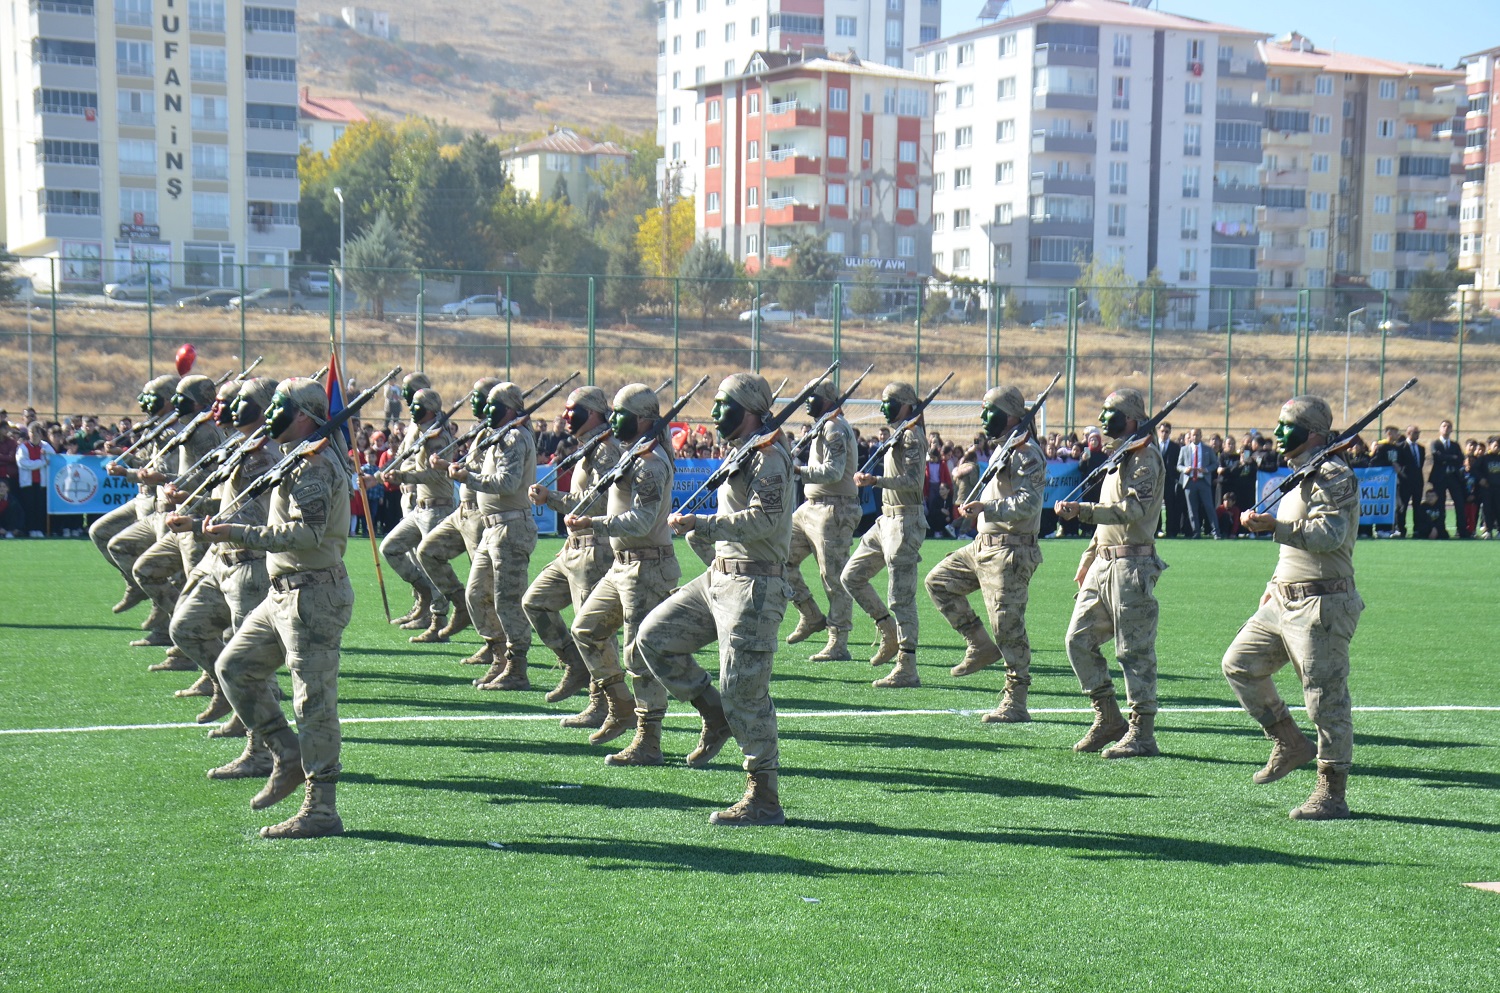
x=1000, y=404
x=155, y=394
x=895, y=396
x=1128, y=402
x=581, y=402
x=632, y=403
x=253, y=400
x=740, y=394
x=1302, y=417
x=413, y=382
x=823, y=398
x=480, y=395
x=293, y=395
x=224, y=401
x=425, y=403
x=193, y=393
x=503, y=398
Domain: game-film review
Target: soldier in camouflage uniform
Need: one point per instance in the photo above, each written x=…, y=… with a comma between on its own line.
x=569, y=579
x=738, y=602
x=411, y=385
x=823, y=527
x=434, y=503
x=1307, y=615
x=999, y=561
x=498, y=568
x=459, y=533
x=301, y=621
x=229, y=582
x=135, y=515
x=161, y=568
x=643, y=574
x=1116, y=582
x=894, y=543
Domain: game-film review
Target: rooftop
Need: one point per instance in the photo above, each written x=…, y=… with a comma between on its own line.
x=328, y=109
x=1113, y=12
x=1297, y=51
x=569, y=142
x=813, y=59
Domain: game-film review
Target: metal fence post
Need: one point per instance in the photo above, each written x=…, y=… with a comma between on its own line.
x=676, y=332
x=242, y=308
x=1151, y=359
x=1458, y=386
x=921, y=306
x=421, y=321
x=1384, y=331
x=150, y=326
x=55, y=404
x=1228, y=360
x=508, y=306
x=1070, y=359
x=838, y=327
x=592, y=322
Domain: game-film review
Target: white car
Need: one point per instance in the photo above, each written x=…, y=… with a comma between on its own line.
x=1051, y=321
x=134, y=287
x=483, y=305
x=774, y=313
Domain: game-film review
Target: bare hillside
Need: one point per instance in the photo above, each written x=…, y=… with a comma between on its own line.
x=582, y=62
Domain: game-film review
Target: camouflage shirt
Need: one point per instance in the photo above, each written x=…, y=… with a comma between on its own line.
x=603, y=458
x=831, y=461
x=431, y=485
x=1316, y=525
x=754, y=521
x=509, y=470
x=1129, y=506
x=309, y=520
x=640, y=503
x=1013, y=497
x=905, y=470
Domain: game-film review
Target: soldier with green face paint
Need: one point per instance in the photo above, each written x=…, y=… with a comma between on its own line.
x=458, y=533
x=301, y=622
x=124, y=534
x=1307, y=616
x=1116, y=588
x=411, y=385
x=999, y=561
x=894, y=543
x=434, y=502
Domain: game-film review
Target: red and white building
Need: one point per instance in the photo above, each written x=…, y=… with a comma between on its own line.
x=806, y=143
x=1479, y=208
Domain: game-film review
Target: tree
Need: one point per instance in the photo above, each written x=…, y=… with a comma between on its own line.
x=9, y=285
x=809, y=272
x=501, y=109
x=1431, y=295
x=559, y=192
x=663, y=236
x=362, y=79
x=555, y=289
x=379, y=262
x=624, y=290
x=707, y=276
x=1110, y=287
x=866, y=295
x=935, y=307
x=1012, y=309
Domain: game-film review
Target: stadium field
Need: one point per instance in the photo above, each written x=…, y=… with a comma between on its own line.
x=489, y=849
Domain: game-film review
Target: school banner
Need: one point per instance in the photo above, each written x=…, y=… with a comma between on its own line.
x=1377, y=492
x=78, y=484
x=1062, y=477
x=545, y=517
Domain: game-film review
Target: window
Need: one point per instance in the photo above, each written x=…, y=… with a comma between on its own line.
x=212, y=162
x=1387, y=89
x=1384, y=165
x=677, y=44
x=1117, y=177
x=1317, y=239
x=1192, y=139
x=754, y=26
x=864, y=149
x=1005, y=213
x=752, y=244
x=267, y=67
x=211, y=113
x=279, y=19
x=676, y=115
x=1006, y=89
x=1007, y=45
x=906, y=151
x=939, y=62
x=713, y=203
x=864, y=195
x=208, y=63
x=1323, y=86
x=906, y=246
x=1119, y=136
x=836, y=242
x=1117, y=220
x=1190, y=224
x=676, y=80
x=76, y=103
x=963, y=137
x=966, y=54
x=838, y=146
x=1064, y=250
x=1192, y=181
x=1382, y=205
x=1380, y=279
x=838, y=99
x=964, y=96
x=713, y=155
x=906, y=199
x=134, y=202
x=700, y=39
x=1005, y=130
x=713, y=111
x=134, y=58
x=960, y=258
x=893, y=34
x=752, y=103
x=752, y=150
x=962, y=178
x=133, y=12
x=62, y=152
x=942, y=101
x=1317, y=201
x=137, y=158
x=1120, y=91
x=1192, y=98
x=846, y=27
x=1385, y=128
x=1322, y=124
x=700, y=75
x=1122, y=49
x=1320, y=162
x=1005, y=172
x=210, y=210
x=676, y=151
x=752, y=196
x=1195, y=53
x=939, y=222
x=1188, y=265
x=729, y=31
x=838, y=194
x=1380, y=242
x=961, y=219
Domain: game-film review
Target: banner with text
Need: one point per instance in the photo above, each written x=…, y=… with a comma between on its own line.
x=1377, y=492
x=78, y=484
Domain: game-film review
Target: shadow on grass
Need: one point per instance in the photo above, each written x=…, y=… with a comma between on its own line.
x=506, y=791
x=922, y=781
x=487, y=746
x=401, y=838
x=125, y=629
x=412, y=678
x=1485, y=827
x=1438, y=779
x=895, y=740
x=614, y=854
x=479, y=706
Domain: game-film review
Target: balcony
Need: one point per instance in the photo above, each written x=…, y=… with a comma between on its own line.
x=1065, y=100
x=1061, y=271
x=1283, y=256
x=793, y=114
x=210, y=123
x=1424, y=146
x=1237, y=194
x=216, y=222
x=1420, y=260
x=1286, y=140
x=1232, y=277
x=784, y=162
x=1044, y=183
x=134, y=67
x=1295, y=178
x=1066, y=55
x=1437, y=108
x=71, y=222
x=1243, y=238
x=1285, y=101
x=1075, y=142
x=790, y=210
x=137, y=118
x=1067, y=225
x=134, y=167
x=1239, y=111
x=1423, y=184
x=1242, y=68
x=1237, y=151
x=1433, y=222
x=1281, y=217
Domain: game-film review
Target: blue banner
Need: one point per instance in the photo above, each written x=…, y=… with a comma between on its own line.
x=1062, y=476
x=1377, y=492
x=78, y=484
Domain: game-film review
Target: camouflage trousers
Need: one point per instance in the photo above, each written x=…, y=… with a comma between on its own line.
x=624, y=598
x=741, y=613
x=894, y=543
x=702, y=546
x=400, y=550
x=458, y=533
x=132, y=541
x=217, y=596
x=1313, y=634
x=104, y=530
x=566, y=582
x=1003, y=573
x=1117, y=600
x=160, y=572
x=497, y=581
x=304, y=628
x=825, y=531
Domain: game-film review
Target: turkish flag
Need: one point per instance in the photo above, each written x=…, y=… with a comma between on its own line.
x=1419, y=220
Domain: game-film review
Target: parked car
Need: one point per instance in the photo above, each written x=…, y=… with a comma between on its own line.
x=209, y=298
x=279, y=301
x=901, y=315
x=774, y=313
x=315, y=283
x=1058, y=320
x=1240, y=326
x=483, y=305
x=134, y=287
x=1392, y=324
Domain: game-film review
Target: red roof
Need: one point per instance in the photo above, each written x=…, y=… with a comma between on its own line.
x=570, y=142
x=328, y=109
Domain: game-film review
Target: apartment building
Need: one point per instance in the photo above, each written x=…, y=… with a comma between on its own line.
x=322, y=121
x=810, y=144
x=1479, y=206
x=1097, y=128
x=1360, y=192
x=702, y=41
x=149, y=130
x=565, y=156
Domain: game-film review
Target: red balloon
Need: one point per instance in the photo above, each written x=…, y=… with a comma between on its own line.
x=186, y=355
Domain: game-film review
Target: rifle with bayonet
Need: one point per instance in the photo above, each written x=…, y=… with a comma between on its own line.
x=182, y=436
x=769, y=431
x=910, y=422
x=490, y=440
x=1131, y=443
x=480, y=428
x=1018, y=436
x=563, y=465
x=805, y=442
x=638, y=448
x=426, y=434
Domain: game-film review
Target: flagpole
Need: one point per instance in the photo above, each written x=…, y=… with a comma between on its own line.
x=364, y=502
x=335, y=382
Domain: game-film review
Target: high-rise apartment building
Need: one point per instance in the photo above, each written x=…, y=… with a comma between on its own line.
x=1097, y=128
x=1479, y=206
x=1359, y=190
x=807, y=144
x=700, y=41
x=149, y=130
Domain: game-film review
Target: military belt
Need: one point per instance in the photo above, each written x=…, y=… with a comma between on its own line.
x=239, y=556
x=901, y=511
x=628, y=555
x=1111, y=552
x=1321, y=587
x=744, y=567
x=433, y=504
x=992, y=540
x=313, y=577
x=834, y=501
x=504, y=517
x=582, y=541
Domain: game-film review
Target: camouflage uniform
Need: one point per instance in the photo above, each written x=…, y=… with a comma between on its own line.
x=1307, y=617
x=432, y=504
x=999, y=561
x=894, y=543
x=1116, y=599
x=124, y=534
x=301, y=622
x=823, y=527
x=585, y=557
x=498, y=569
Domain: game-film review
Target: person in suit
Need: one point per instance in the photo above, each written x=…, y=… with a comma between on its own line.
x=1410, y=458
x=1196, y=463
x=1387, y=452
x=1174, y=503
x=1447, y=475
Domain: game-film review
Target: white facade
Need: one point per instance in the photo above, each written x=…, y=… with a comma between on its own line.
x=149, y=130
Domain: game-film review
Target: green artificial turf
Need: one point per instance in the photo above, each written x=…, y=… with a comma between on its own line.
x=923, y=852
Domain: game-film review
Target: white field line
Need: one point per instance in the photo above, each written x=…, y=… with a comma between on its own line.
x=782, y=715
